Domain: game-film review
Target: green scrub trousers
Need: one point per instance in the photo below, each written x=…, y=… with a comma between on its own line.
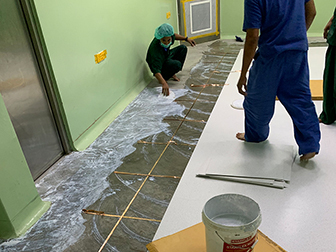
x=328, y=115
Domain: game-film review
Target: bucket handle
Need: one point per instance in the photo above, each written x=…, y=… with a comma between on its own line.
x=248, y=249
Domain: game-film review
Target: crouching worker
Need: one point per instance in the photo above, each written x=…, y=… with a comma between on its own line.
x=163, y=61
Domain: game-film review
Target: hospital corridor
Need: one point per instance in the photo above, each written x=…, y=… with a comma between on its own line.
x=94, y=157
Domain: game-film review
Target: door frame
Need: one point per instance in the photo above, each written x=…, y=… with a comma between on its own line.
x=183, y=23
x=45, y=67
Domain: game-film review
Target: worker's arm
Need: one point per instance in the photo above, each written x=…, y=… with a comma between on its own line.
x=163, y=82
x=310, y=13
x=327, y=28
x=190, y=41
x=250, y=47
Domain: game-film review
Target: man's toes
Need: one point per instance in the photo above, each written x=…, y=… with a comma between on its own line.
x=306, y=157
x=240, y=136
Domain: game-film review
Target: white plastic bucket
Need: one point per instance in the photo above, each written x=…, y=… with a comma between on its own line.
x=231, y=223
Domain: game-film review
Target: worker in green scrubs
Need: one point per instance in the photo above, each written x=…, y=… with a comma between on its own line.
x=328, y=115
x=163, y=61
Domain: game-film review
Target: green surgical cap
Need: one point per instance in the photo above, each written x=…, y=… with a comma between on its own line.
x=164, y=30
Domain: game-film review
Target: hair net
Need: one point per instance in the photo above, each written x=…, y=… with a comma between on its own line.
x=164, y=30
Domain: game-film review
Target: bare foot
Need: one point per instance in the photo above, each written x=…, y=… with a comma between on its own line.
x=306, y=157
x=240, y=136
x=175, y=78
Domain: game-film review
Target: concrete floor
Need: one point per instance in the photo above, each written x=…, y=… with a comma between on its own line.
x=127, y=177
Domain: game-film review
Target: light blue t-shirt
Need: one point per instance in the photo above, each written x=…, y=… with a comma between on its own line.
x=282, y=24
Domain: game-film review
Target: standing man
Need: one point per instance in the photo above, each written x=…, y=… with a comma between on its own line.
x=163, y=62
x=280, y=68
x=328, y=115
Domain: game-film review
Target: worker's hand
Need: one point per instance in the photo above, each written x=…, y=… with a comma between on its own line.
x=165, y=89
x=241, y=85
x=326, y=30
x=191, y=42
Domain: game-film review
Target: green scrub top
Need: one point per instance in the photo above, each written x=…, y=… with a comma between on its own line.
x=157, y=55
x=331, y=38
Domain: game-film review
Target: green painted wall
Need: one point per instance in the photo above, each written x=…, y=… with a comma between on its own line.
x=232, y=15
x=20, y=204
x=92, y=94
x=231, y=18
x=325, y=10
x=74, y=31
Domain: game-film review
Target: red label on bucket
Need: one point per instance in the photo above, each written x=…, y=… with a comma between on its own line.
x=240, y=245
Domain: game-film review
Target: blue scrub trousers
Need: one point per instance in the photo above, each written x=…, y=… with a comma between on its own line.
x=285, y=75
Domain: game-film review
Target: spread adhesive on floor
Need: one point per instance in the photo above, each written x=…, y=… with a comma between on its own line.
x=80, y=179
